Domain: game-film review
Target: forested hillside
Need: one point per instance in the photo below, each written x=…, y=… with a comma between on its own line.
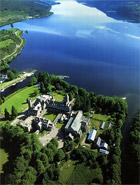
x=128, y=10
x=11, y=43
x=17, y=10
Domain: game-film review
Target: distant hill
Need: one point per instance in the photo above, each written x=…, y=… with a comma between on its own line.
x=16, y=10
x=128, y=10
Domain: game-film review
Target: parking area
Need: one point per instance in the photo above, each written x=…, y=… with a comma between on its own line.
x=46, y=138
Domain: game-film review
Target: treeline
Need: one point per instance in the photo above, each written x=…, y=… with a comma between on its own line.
x=134, y=148
x=135, y=137
x=10, y=116
x=17, y=10
x=84, y=100
x=125, y=10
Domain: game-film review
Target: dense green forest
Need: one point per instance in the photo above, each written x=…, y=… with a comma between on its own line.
x=17, y=10
x=134, y=148
x=11, y=43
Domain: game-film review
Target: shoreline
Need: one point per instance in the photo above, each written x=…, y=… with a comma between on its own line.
x=27, y=18
x=22, y=76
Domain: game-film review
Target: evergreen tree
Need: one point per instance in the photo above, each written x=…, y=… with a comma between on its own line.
x=14, y=112
x=6, y=114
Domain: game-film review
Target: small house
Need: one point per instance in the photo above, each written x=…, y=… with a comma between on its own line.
x=104, y=152
x=92, y=135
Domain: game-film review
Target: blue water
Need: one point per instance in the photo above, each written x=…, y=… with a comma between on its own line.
x=97, y=52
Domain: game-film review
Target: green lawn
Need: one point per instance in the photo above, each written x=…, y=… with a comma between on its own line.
x=72, y=173
x=58, y=96
x=3, y=159
x=18, y=99
x=6, y=43
x=59, y=125
x=66, y=171
x=97, y=119
x=50, y=116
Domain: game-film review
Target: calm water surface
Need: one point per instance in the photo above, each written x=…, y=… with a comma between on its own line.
x=97, y=52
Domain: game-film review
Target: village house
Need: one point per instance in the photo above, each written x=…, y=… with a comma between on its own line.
x=104, y=152
x=92, y=135
x=3, y=78
x=100, y=143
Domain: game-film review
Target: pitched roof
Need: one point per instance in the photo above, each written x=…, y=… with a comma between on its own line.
x=92, y=135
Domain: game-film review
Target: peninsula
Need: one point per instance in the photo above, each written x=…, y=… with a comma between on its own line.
x=18, y=10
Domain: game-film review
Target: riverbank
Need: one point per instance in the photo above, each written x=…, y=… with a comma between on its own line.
x=22, y=76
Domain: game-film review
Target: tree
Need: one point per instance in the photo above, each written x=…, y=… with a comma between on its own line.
x=33, y=81
x=50, y=154
x=68, y=145
x=42, y=87
x=97, y=176
x=11, y=75
x=40, y=167
x=29, y=177
x=60, y=155
x=6, y=114
x=54, y=142
x=14, y=112
x=44, y=159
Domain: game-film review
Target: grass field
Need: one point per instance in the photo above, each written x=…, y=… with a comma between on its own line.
x=72, y=173
x=58, y=96
x=50, y=116
x=59, y=125
x=6, y=43
x=3, y=159
x=97, y=119
x=18, y=99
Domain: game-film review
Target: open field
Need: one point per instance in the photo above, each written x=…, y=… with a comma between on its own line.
x=3, y=159
x=17, y=46
x=50, y=116
x=6, y=43
x=59, y=125
x=58, y=96
x=72, y=173
x=18, y=99
x=97, y=119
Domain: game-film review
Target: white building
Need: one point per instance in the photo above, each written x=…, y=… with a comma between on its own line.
x=92, y=135
x=102, y=126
